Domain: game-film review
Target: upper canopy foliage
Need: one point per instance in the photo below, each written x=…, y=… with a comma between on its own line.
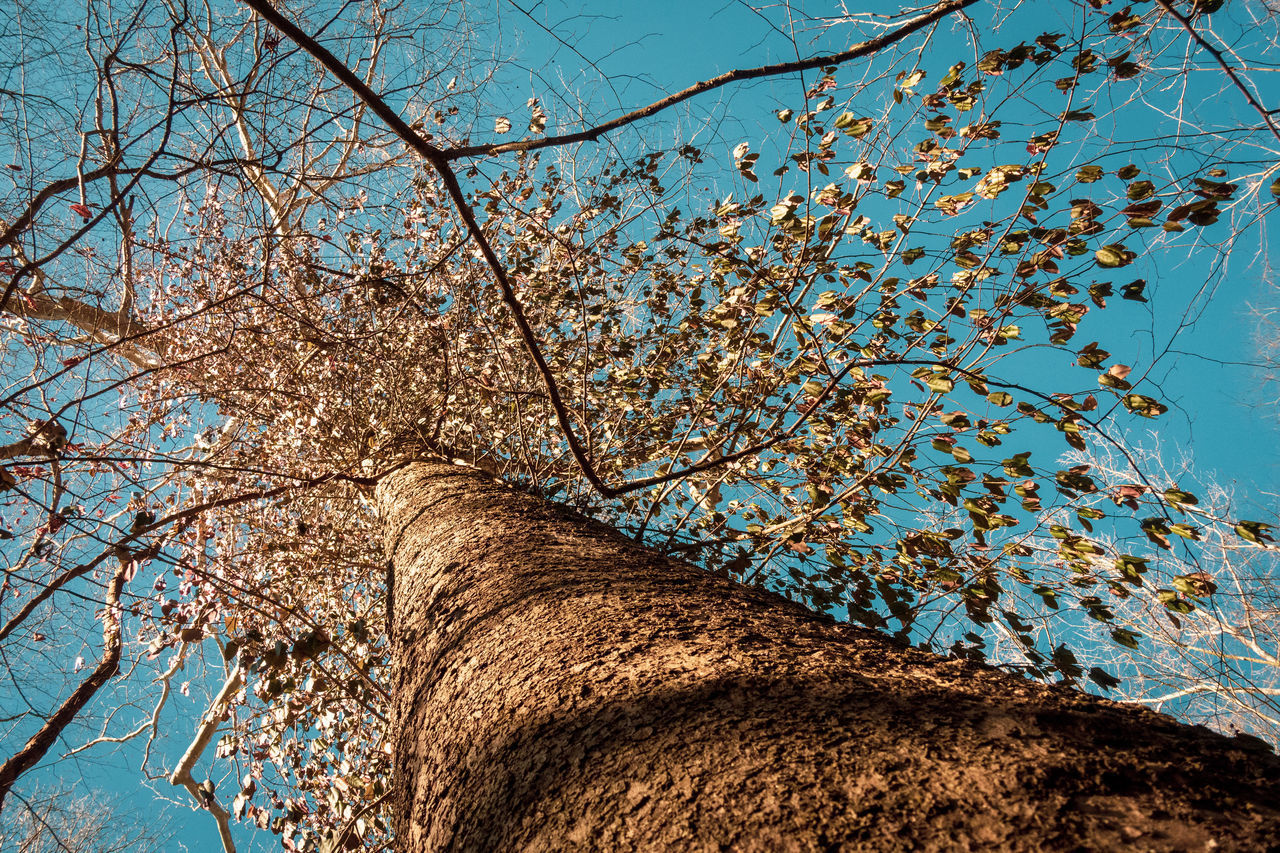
x=839, y=350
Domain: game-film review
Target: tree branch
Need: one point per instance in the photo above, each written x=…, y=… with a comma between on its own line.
x=14, y=229
x=112, y=328
x=592, y=134
x=39, y=744
x=1217, y=54
x=439, y=160
x=204, y=735
x=440, y=163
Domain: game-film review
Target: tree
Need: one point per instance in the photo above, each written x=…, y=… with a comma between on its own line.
x=558, y=685
x=58, y=821
x=1214, y=664
x=293, y=292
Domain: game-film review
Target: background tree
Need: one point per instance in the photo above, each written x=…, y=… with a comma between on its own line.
x=1213, y=663
x=57, y=821
x=815, y=357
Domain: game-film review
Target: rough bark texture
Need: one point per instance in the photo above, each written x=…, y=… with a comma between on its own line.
x=560, y=687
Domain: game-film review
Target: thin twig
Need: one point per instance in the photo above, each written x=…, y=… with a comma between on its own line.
x=1231, y=73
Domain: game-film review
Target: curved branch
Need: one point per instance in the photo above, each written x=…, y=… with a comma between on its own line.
x=107, y=327
x=439, y=160
x=15, y=229
x=592, y=134
x=39, y=744
x=440, y=163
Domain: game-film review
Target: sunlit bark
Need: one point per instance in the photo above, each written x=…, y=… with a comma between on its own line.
x=559, y=685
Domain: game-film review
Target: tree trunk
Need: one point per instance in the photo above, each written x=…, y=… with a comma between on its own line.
x=559, y=686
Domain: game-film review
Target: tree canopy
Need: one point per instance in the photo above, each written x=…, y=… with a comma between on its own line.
x=856, y=326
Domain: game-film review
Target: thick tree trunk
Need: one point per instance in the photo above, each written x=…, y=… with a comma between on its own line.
x=560, y=687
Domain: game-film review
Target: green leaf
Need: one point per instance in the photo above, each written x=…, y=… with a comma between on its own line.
x=1103, y=679
x=1139, y=190
x=913, y=79
x=1123, y=21
x=1114, y=255
x=784, y=209
x=1131, y=568
x=853, y=125
x=1197, y=585
x=1017, y=466
x=813, y=388
x=1089, y=174
x=1180, y=498
x=1141, y=404
x=1125, y=637
x=1254, y=531
x=1157, y=531
x=1000, y=398
x=953, y=204
x=937, y=123
x=942, y=384
x=1091, y=356
x=1174, y=602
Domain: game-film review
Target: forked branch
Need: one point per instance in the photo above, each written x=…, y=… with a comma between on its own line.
x=440, y=160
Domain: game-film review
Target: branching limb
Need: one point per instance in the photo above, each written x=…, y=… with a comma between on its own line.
x=439, y=160
x=151, y=723
x=116, y=329
x=440, y=163
x=204, y=735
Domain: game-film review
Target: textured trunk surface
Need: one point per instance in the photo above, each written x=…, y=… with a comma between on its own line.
x=560, y=687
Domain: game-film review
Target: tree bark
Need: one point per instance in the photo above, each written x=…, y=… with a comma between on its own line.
x=559, y=687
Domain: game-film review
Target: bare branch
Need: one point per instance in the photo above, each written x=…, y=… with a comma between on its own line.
x=592, y=134
x=204, y=735
x=1226, y=66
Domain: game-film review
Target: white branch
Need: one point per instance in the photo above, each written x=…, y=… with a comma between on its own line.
x=204, y=735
